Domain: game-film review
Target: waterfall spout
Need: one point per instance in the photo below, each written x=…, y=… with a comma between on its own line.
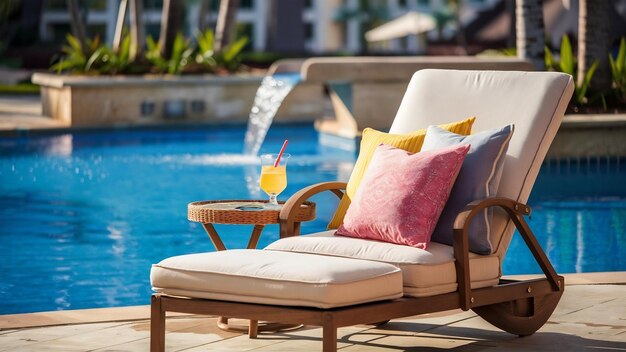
x=269, y=96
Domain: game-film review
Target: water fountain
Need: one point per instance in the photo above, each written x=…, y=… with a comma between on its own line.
x=363, y=91
x=269, y=97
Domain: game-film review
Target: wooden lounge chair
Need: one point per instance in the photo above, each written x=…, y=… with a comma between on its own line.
x=534, y=102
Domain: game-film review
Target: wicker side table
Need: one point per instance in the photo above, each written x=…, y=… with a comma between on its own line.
x=240, y=212
x=243, y=212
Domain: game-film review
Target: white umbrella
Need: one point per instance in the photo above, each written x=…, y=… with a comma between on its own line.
x=410, y=23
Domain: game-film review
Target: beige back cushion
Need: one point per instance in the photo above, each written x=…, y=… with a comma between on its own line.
x=534, y=101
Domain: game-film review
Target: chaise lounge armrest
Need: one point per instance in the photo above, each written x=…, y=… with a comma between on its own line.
x=288, y=226
x=515, y=212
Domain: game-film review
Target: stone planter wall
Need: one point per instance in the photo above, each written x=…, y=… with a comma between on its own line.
x=366, y=91
x=81, y=101
x=584, y=136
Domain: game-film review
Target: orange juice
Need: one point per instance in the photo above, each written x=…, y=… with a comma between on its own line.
x=273, y=179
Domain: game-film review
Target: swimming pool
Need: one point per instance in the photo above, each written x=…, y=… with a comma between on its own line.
x=84, y=215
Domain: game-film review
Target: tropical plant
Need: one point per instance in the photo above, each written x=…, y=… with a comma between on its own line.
x=206, y=54
x=100, y=58
x=567, y=64
x=76, y=59
x=179, y=58
x=107, y=61
x=618, y=72
x=228, y=59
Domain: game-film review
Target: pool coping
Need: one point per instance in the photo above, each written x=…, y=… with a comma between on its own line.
x=570, y=121
x=130, y=313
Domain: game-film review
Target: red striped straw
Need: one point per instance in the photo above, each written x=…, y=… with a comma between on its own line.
x=280, y=154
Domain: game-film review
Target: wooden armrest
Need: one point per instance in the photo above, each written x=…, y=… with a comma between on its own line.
x=516, y=212
x=287, y=216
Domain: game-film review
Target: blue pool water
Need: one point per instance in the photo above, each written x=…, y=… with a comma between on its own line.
x=84, y=215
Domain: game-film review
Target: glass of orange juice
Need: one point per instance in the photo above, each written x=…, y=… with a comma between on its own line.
x=273, y=177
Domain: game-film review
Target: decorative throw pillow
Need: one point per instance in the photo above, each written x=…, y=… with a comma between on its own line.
x=402, y=195
x=479, y=178
x=371, y=139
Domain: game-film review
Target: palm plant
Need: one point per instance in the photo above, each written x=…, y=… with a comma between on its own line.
x=108, y=61
x=618, y=72
x=100, y=58
x=567, y=64
x=228, y=58
x=179, y=58
x=206, y=53
x=76, y=56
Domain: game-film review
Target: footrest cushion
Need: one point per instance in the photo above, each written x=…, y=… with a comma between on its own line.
x=277, y=278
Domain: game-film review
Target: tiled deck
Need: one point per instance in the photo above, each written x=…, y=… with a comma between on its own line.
x=24, y=113
x=590, y=317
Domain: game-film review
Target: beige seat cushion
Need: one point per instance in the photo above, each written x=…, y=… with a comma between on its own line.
x=280, y=278
x=424, y=272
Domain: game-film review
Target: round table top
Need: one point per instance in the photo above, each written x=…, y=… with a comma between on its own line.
x=242, y=212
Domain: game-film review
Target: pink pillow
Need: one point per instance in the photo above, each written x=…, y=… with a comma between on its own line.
x=402, y=195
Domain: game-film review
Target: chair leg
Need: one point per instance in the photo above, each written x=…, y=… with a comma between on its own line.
x=329, y=335
x=157, y=325
x=253, y=329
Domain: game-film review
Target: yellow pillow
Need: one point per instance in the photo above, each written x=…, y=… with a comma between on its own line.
x=371, y=139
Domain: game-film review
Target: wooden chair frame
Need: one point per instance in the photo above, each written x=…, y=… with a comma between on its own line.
x=518, y=307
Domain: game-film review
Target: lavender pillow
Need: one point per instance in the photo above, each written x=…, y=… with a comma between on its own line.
x=479, y=178
x=402, y=194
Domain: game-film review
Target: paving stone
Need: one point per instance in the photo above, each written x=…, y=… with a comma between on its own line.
x=589, y=318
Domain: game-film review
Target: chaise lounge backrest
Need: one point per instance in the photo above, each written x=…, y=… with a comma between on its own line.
x=534, y=101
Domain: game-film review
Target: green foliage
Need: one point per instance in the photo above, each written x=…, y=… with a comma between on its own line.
x=567, y=64
x=75, y=60
x=101, y=59
x=181, y=53
x=106, y=61
x=205, y=55
x=618, y=71
x=228, y=59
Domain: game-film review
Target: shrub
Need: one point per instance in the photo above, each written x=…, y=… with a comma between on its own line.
x=75, y=60
x=618, y=72
x=101, y=59
x=567, y=64
x=228, y=59
x=181, y=52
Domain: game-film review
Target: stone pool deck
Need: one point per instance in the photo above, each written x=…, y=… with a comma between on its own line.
x=23, y=112
x=590, y=317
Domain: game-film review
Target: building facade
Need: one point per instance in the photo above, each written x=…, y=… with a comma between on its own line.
x=329, y=25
